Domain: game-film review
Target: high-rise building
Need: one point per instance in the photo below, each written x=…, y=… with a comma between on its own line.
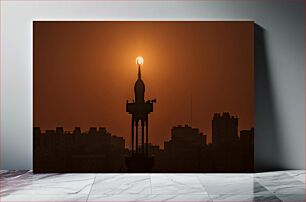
x=184, y=152
x=185, y=138
x=247, y=149
x=224, y=129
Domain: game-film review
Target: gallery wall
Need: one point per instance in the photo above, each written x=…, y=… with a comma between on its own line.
x=279, y=67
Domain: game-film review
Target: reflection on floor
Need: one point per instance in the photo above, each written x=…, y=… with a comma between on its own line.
x=269, y=186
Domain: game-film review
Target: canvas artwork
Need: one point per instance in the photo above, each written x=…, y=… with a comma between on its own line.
x=143, y=96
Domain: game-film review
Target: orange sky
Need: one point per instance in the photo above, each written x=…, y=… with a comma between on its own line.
x=85, y=71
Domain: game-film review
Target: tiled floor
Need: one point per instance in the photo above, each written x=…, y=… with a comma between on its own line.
x=270, y=186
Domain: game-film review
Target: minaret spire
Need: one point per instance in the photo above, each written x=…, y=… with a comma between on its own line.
x=139, y=62
x=139, y=72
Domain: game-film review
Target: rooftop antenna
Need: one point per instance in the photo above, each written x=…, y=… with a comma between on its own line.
x=191, y=109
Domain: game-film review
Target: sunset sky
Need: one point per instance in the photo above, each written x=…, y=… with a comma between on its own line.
x=85, y=71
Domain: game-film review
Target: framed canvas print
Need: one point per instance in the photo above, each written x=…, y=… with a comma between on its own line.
x=143, y=96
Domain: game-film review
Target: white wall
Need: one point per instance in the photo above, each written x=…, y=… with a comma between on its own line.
x=279, y=83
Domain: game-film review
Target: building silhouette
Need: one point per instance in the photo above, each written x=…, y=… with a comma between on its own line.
x=183, y=152
x=224, y=129
x=247, y=148
x=229, y=152
x=93, y=151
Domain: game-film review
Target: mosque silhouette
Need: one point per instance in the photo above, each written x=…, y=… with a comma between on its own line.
x=139, y=159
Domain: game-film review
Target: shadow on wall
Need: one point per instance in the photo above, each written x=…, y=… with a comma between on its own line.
x=268, y=152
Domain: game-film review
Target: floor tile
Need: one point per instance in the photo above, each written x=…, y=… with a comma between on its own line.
x=297, y=174
x=291, y=197
x=176, y=184
x=150, y=197
x=266, y=198
x=231, y=198
x=43, y=198
x=245, y=198
x=259, y=189
x=281, y=183
x=47, y=184
x=114, y=184
x=286, y=186
x=14, y=180
x=233, y=184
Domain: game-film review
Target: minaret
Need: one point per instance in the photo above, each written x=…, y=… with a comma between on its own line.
x=139, y=87
x=139, y=161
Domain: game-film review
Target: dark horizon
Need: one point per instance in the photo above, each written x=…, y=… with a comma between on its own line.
x=97, y=150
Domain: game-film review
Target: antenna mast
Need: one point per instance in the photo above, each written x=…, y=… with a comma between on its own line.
x=191, y=109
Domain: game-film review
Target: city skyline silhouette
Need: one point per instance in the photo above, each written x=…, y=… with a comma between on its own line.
x=97, y=150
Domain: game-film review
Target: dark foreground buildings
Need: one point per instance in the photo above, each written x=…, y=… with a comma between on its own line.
x=187, y=151
x=183, y=153
x=229, y=152
x=93, y=151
